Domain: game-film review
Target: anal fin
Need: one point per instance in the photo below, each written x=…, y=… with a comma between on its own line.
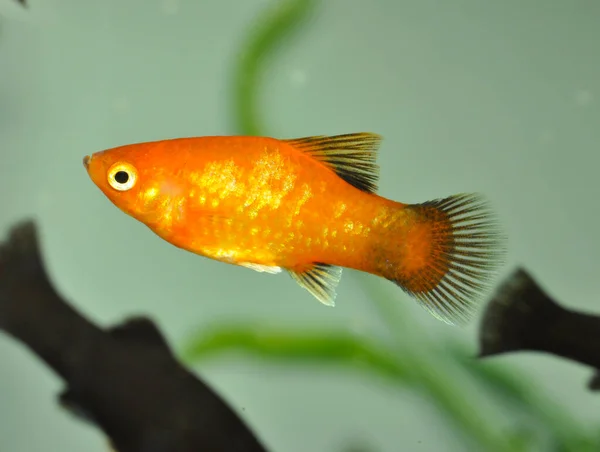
x=321, y=280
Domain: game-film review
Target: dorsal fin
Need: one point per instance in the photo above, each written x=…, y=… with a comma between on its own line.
x=351, y=156
x=140, y=330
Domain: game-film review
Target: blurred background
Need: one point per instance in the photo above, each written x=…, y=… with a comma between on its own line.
x=501, y=98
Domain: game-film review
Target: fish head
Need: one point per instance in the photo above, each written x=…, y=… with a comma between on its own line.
x=133, y=178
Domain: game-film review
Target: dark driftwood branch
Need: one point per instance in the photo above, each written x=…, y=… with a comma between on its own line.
x=522, y=317
x=124, y=379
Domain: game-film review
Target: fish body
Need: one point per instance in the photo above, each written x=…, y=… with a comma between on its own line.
x=307, y=206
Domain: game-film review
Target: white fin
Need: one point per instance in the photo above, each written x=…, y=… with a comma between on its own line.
x=261, y=268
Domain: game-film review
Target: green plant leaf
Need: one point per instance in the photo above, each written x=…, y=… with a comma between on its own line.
x=265, y=38
x=341, y=348
x=324, y=347
x=520, y=391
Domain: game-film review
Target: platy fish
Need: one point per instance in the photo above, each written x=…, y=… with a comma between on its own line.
x=522, y=316
x=308, y=206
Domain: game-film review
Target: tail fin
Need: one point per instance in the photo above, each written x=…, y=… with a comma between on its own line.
x=452, y=251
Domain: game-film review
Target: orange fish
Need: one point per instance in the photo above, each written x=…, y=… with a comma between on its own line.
x=308, y=206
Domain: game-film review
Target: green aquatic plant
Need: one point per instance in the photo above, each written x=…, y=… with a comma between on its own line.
x=277, y=25
x=538, y=424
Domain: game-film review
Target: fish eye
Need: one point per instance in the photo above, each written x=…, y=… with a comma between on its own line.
x=122, y=176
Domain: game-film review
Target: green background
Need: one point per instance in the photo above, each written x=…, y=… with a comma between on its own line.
x=495, y=97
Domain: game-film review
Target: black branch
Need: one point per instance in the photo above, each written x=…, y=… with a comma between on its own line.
x=124, y=379
x=521, y=316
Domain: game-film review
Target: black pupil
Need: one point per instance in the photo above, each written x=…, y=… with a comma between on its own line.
x=121, y=177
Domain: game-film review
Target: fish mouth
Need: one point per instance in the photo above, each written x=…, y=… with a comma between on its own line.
x=86, y=161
